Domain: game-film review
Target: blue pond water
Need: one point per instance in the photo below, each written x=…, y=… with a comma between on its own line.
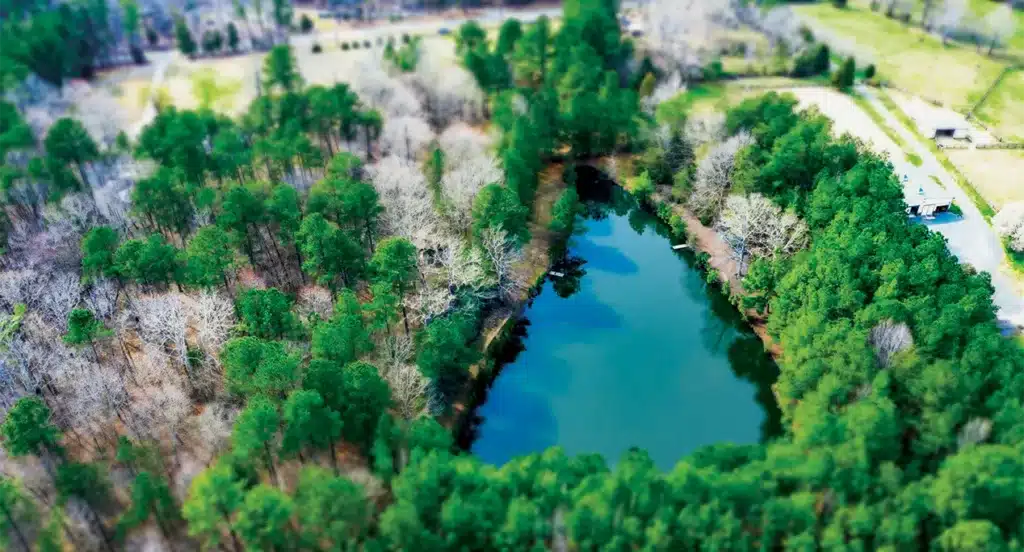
x=630, y=349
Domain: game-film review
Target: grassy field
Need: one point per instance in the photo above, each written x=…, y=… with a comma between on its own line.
x=995, y=173
x=906, y=57
x=719, y=96
x=977, y=8
x=1003, y=109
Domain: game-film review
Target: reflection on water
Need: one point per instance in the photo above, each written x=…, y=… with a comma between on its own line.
x=630, y=348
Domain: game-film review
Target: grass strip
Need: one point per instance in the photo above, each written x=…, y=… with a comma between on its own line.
x=979, y=201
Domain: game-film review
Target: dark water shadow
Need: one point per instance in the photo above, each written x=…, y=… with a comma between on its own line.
x=534, y=428
x=604, y=258
x=751, y=362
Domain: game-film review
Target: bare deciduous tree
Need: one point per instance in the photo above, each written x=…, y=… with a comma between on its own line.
x=755, y=225
x=428, y=302
x=976, y=430
x=163, y=321
x=58, y=296
x=463, y=266
x=406, y=136
x=448, y=92
x=1000, y=24
x=782, y=27
x=213, y=316
x=683, y=33
x=461, y=142
x=714, y=176
x=385, y=93
x=503, y=254
x=949, y=17
x=101, y=298
x=462, y=183
x=408, y=208
x=665, y=90
x=408, y=387
x=315, y=300
x=888, y=338
x=1009, y=223
x=704, y=129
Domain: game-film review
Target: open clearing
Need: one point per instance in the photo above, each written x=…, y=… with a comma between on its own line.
x=906, y=57
x=238, y=75
x=997, y=174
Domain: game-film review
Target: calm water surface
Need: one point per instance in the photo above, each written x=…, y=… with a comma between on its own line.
x=630, y=349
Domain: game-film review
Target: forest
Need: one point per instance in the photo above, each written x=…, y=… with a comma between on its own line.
x=257, y=344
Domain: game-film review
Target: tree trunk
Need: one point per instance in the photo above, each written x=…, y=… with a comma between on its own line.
x=100, y=527
x=405, y=319
x=14, y=527
x=334, y=456
x=270, y=464
x=81, y=171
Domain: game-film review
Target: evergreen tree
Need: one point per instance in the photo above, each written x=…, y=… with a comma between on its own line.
x=18, y=516
x=151, y=498
x=266, y=313
x=69, y=143
x=394, y=264
x=98, y=248
x=232, y=37
x=843, y=79
x=255, y=432
x=209, y=258
x=497, y=206
x=27, y=429
x=280, y=69
x=344, y=337
x=213, y=500
x=254, y=366
x=264, y=520
x=309, y=425
x=333, y=512
x=182, y=34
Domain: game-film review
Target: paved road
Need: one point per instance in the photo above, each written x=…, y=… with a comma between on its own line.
x=970, y=238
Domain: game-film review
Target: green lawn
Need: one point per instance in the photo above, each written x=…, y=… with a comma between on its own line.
x=1003, y=109
x=979, y=8
x=905, y=56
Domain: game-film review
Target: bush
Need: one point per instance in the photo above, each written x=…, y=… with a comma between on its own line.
x=814, y=61
x=839, y=3
x=305, y=24
x=869, y=71
x=213, y=41
x=405, y=38
x=843, y=79
x=713, y=71
x=367, y=44
x=317, y=48
x=344, y=46
x=355, y=44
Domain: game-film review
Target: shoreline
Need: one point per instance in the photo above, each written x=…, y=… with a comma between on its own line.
x=702, y=239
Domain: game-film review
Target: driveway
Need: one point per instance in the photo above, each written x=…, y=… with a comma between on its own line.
x=970, y=238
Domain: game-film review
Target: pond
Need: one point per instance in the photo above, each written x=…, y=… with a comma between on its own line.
x=630, y=348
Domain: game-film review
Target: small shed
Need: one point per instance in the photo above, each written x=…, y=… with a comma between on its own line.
x=937, y=122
